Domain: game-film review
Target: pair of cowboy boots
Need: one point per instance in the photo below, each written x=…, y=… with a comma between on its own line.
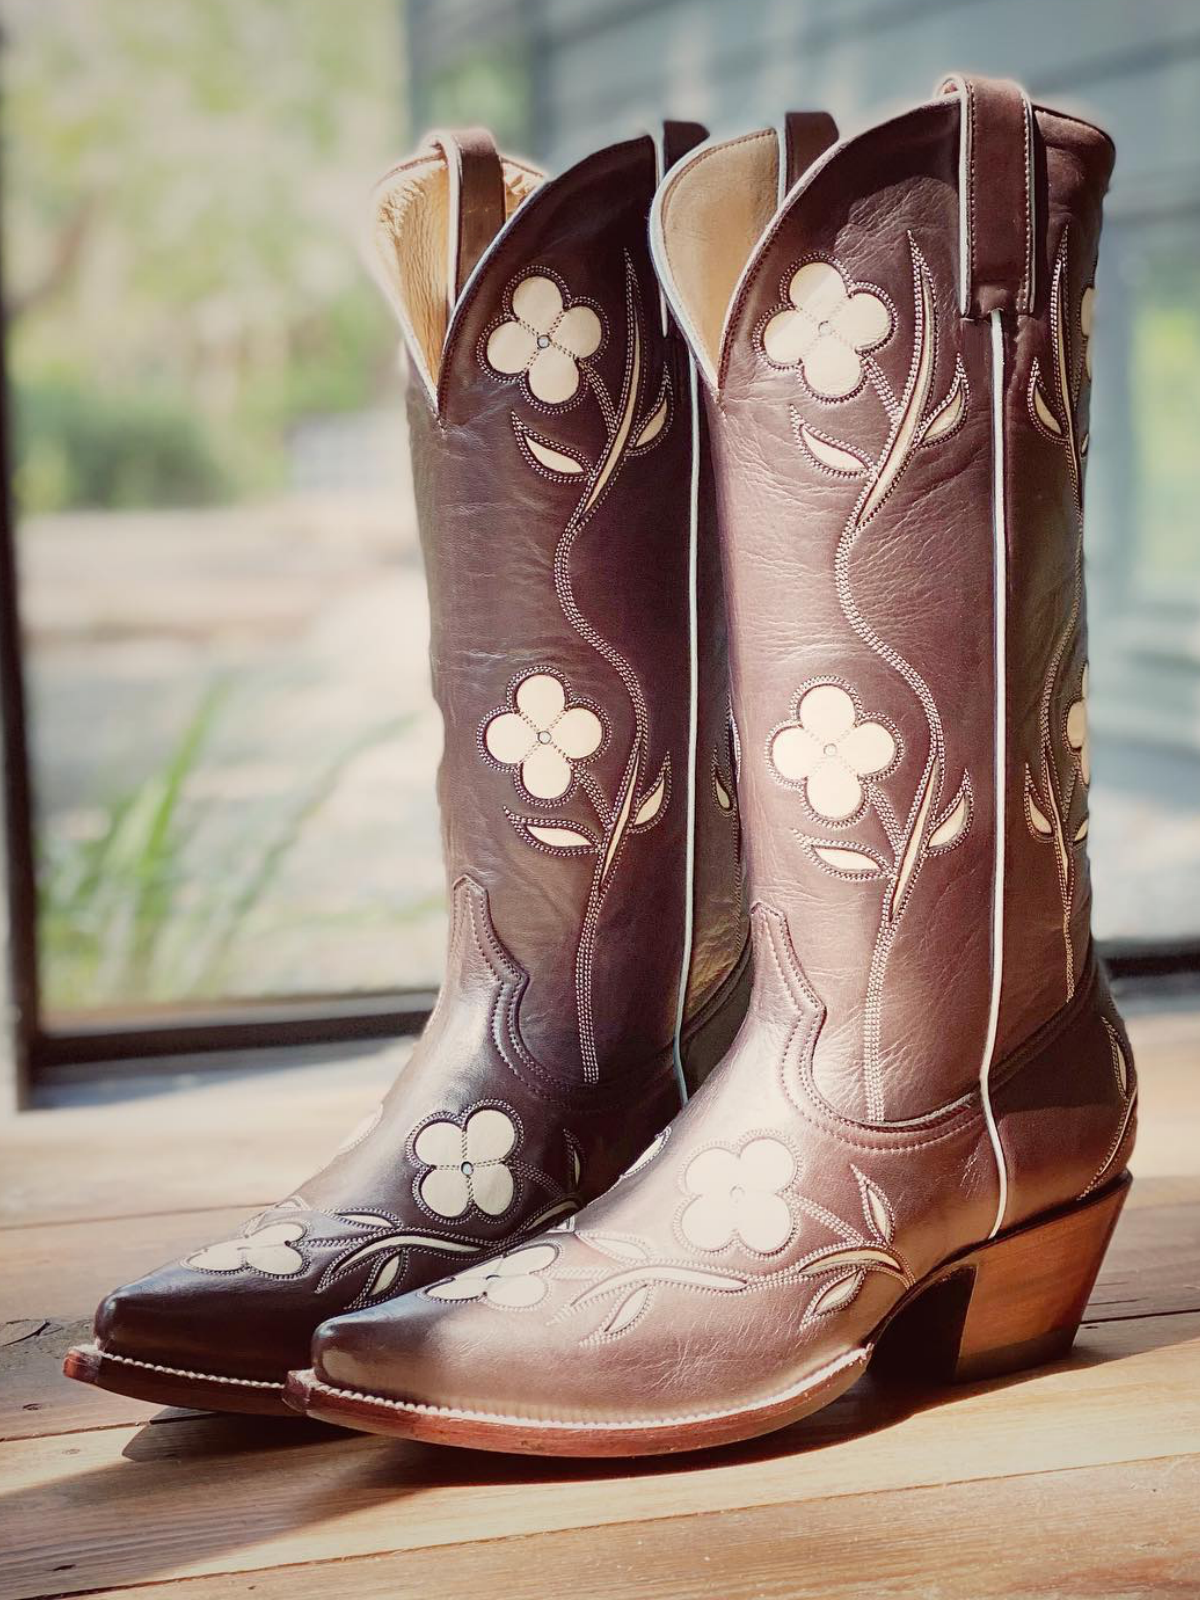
x=916, y=1143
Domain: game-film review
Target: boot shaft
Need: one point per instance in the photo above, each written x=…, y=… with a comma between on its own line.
x=554, y=450
x=898, y=384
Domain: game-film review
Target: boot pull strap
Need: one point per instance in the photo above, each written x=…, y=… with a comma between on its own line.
x=996, y=196
x=477, y=209
x=678, y=139
x=672, y=141
x=803, y=136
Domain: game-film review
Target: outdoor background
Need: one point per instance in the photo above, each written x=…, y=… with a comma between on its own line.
x=233, y=739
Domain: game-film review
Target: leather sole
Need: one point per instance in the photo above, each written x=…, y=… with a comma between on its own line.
x=1013, y=1302
x=174, y=1386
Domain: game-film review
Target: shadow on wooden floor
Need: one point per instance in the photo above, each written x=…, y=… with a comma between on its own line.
x=278, y=1476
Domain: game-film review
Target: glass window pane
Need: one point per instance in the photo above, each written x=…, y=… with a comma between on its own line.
x=233, y=739
x=1144, y=490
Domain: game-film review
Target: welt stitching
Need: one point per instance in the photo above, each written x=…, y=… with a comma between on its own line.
x=807, y=1386
x=185, y=1372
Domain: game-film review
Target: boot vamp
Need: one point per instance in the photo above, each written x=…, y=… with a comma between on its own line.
x=448, y=1168
x=745, y=1252
x=605, y=1339
x=245, y=1306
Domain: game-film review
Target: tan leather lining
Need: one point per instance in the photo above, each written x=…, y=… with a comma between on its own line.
x=713, y=214
x=412, y=223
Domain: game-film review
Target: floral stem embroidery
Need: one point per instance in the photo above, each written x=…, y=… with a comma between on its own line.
x=846, y=760
x=740, y=1198
x=637, y=801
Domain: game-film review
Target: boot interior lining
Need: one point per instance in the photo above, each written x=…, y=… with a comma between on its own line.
x=412, y=247
x=713, y=213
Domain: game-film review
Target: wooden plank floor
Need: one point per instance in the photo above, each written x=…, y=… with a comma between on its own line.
x=1081, y=1479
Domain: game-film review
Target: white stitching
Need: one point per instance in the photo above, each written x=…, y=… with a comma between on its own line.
x=417, y=1408
x=862, y=351
x=183, y=1372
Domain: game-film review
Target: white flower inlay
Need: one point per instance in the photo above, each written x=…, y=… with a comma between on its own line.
x=543, y=736
x=826, y=330
x=1077, y=731
x=509, y=1280
x=545, y=340
x=739, y=1195
x=268, y=1250
x=830, y=751
x=467, y=1163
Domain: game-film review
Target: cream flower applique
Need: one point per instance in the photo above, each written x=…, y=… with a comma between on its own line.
x=467, y=1164
x=829, y=751
x=826, y=330
x=1077, y=731
x=270, y=1250
x=545, y=340
x=738, y=1196
x=543, y=736
x=510, y=1280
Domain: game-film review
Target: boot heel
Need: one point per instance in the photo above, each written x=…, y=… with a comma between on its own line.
x=1015, y=1302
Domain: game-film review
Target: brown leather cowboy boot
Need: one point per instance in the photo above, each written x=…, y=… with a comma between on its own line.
x=922, y=1128
x=587, y=804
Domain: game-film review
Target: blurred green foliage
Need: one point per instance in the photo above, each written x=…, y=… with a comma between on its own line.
x=74, y=449
x=127, y=914
x=183, y=187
